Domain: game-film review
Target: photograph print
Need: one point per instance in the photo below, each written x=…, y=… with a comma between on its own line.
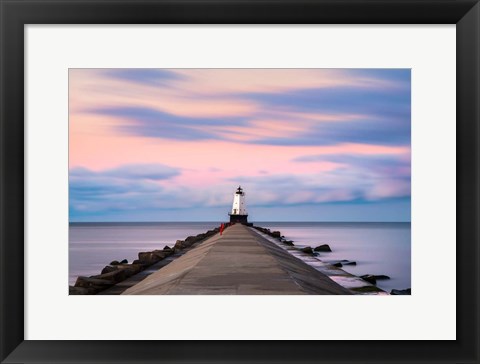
x=239, y=181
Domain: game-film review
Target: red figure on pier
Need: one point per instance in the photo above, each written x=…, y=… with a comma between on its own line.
x=221, y=228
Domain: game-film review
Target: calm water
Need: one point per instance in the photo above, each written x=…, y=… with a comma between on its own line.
x=94, y=245
x=378, y=248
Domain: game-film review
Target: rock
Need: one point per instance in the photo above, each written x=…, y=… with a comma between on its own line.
x=323, y=248
x=135, y=267
x=146, y=259
x=145, y=256
x=369, y=278
x=366, y=289
x=109, y=269
x=263, y=230
x=149, y=258
x=115, y=276
x=179, y=245
x=159, y=254
x=276, y=234
x=168, y=252
x=401, y=292
x=95, y=283
x=187, y=244
x=131, y=269
x=115, y=262
x=124, y=261
x=167, y=248
x=139, y=262
x=340, y=263
x=307, y=249
x=78, y=290
x=288, y=242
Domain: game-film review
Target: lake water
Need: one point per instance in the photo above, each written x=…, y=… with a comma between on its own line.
x=378, y=248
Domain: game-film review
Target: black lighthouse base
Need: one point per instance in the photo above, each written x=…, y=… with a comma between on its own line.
x=239, y=218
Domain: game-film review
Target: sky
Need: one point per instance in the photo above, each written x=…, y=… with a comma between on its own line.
x=304, y=144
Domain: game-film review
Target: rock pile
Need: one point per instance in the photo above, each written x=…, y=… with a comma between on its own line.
x=308, y=249
x=117, y=271
x=401, y=292
x=341, y=263
x=371, y=278
x=323, y=248
x=316, y=250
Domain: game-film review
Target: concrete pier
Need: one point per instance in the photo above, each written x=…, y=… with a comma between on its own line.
x=240, y=262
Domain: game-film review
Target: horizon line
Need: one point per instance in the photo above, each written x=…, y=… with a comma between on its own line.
x=218, y=221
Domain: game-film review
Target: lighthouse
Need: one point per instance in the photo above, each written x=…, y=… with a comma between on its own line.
x=239, y=208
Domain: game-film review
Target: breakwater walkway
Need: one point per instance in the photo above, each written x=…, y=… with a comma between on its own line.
x=240, y=261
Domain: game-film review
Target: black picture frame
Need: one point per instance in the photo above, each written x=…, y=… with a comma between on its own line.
x=16, y=14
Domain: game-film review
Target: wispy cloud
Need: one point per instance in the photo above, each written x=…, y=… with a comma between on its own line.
x=316, y=116
x=153, y=123
x=383, y=116
x=386, y=164
x=129, y=171
x=144, y=76
x=127, y=187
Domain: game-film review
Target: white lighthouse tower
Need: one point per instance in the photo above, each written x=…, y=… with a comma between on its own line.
x=239, y=208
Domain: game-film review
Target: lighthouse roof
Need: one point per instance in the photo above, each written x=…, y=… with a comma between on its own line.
x=239, y=190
